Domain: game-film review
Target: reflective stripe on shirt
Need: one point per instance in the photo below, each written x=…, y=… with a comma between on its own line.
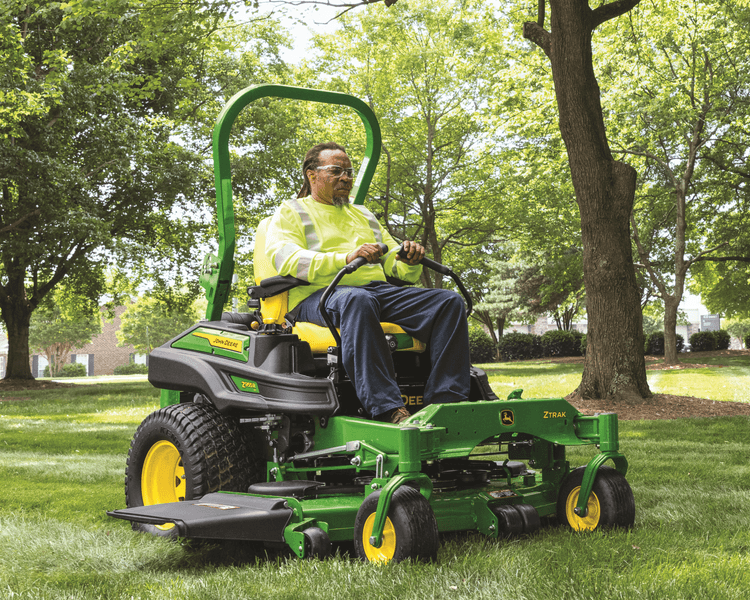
x=373, y=222
x=313, y=243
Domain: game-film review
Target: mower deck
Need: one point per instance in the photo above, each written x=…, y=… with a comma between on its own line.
x=475, y=462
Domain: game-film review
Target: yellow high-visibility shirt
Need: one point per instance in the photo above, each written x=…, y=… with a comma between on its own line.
x=310, y=240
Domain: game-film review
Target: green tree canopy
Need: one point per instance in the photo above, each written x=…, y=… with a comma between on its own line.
x=676, y=86
x=154, y=319
x=426, y=69
x=92, y=165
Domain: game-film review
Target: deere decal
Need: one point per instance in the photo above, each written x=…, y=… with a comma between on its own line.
x=506, y=417
x=215, y=341
x=220, y=341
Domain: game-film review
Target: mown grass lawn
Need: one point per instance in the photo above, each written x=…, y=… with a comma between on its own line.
x=726, y=378
x=62, y=457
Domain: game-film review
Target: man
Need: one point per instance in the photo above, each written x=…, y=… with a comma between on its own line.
x=314, y=236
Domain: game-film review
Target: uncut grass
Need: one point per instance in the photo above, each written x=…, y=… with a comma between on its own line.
x=690, y=479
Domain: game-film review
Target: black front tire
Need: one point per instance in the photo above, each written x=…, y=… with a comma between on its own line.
x=610, y=505
x=183, y=452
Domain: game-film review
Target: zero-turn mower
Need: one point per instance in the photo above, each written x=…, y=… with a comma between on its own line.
x=260, y=435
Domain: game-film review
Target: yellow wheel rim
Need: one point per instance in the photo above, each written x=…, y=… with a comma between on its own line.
x=387, y=549
x=163, y=476
x=591, y=520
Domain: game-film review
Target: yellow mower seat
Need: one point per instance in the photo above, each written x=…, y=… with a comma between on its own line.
x=276, y=307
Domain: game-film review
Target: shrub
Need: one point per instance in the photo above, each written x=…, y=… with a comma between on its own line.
x=580, y=337
x=560, y=343
x=654, y=345
x=516, y=346
x=131, y=369
x=73, y=370
x=583, y=344
x=747, y=341
x=738, y=328
x=68, y=370
x=481, y=346
x=703, y=340
x=723, y=339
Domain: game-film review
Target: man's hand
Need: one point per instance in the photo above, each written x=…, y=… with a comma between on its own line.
x=370, y=252
x=414, y=253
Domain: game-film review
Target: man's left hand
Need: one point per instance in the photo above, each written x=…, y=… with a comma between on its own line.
x=414, y=253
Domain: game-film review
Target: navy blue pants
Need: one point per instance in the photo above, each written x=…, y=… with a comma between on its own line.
x=436, y=317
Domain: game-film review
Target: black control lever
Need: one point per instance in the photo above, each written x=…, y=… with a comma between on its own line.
x=360, y=260
x=442, y=269
x=349, y=268
x=427, y=262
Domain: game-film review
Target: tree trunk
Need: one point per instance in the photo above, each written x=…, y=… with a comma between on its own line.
x=17, y=316
x=671, y=303
x=500, y=326
x=614, y=366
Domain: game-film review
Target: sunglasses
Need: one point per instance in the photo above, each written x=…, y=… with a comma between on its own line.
x=337, y=171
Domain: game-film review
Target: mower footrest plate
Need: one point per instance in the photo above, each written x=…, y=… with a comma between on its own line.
x=218, y=516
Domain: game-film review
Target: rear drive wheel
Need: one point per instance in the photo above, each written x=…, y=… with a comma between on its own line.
x=182, y=452
x=410, y=529
x=611, y=503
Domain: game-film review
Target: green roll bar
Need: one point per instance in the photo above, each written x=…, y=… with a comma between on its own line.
x=217, y=270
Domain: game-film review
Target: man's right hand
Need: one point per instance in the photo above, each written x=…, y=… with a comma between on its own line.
x=370, y=252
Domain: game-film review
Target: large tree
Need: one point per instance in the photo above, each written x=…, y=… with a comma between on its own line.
x=90, y=164
x=605, y=190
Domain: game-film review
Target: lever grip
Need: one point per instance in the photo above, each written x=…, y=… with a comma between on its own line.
x=361, y=260
x=429, y=263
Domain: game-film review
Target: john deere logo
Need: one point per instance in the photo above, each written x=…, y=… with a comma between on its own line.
x=219, y=341
x=506, y=417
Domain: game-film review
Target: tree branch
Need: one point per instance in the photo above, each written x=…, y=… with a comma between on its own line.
x=540, y=13
x=699, y=258
x=611, y=10
x=537, y=34
x=702, y=255
x=644, y=255
x=347, y=6
x=12, y=226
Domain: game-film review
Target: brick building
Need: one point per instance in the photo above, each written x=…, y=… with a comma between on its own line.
x=101, y=356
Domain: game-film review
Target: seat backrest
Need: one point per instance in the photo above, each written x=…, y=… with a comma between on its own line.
x=274, y=307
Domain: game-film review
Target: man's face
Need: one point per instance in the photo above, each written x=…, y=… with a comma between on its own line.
x=325, y=187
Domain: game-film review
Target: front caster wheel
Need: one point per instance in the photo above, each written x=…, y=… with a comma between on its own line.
x=317, y=543
x=611, y=503
x=410, y=529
